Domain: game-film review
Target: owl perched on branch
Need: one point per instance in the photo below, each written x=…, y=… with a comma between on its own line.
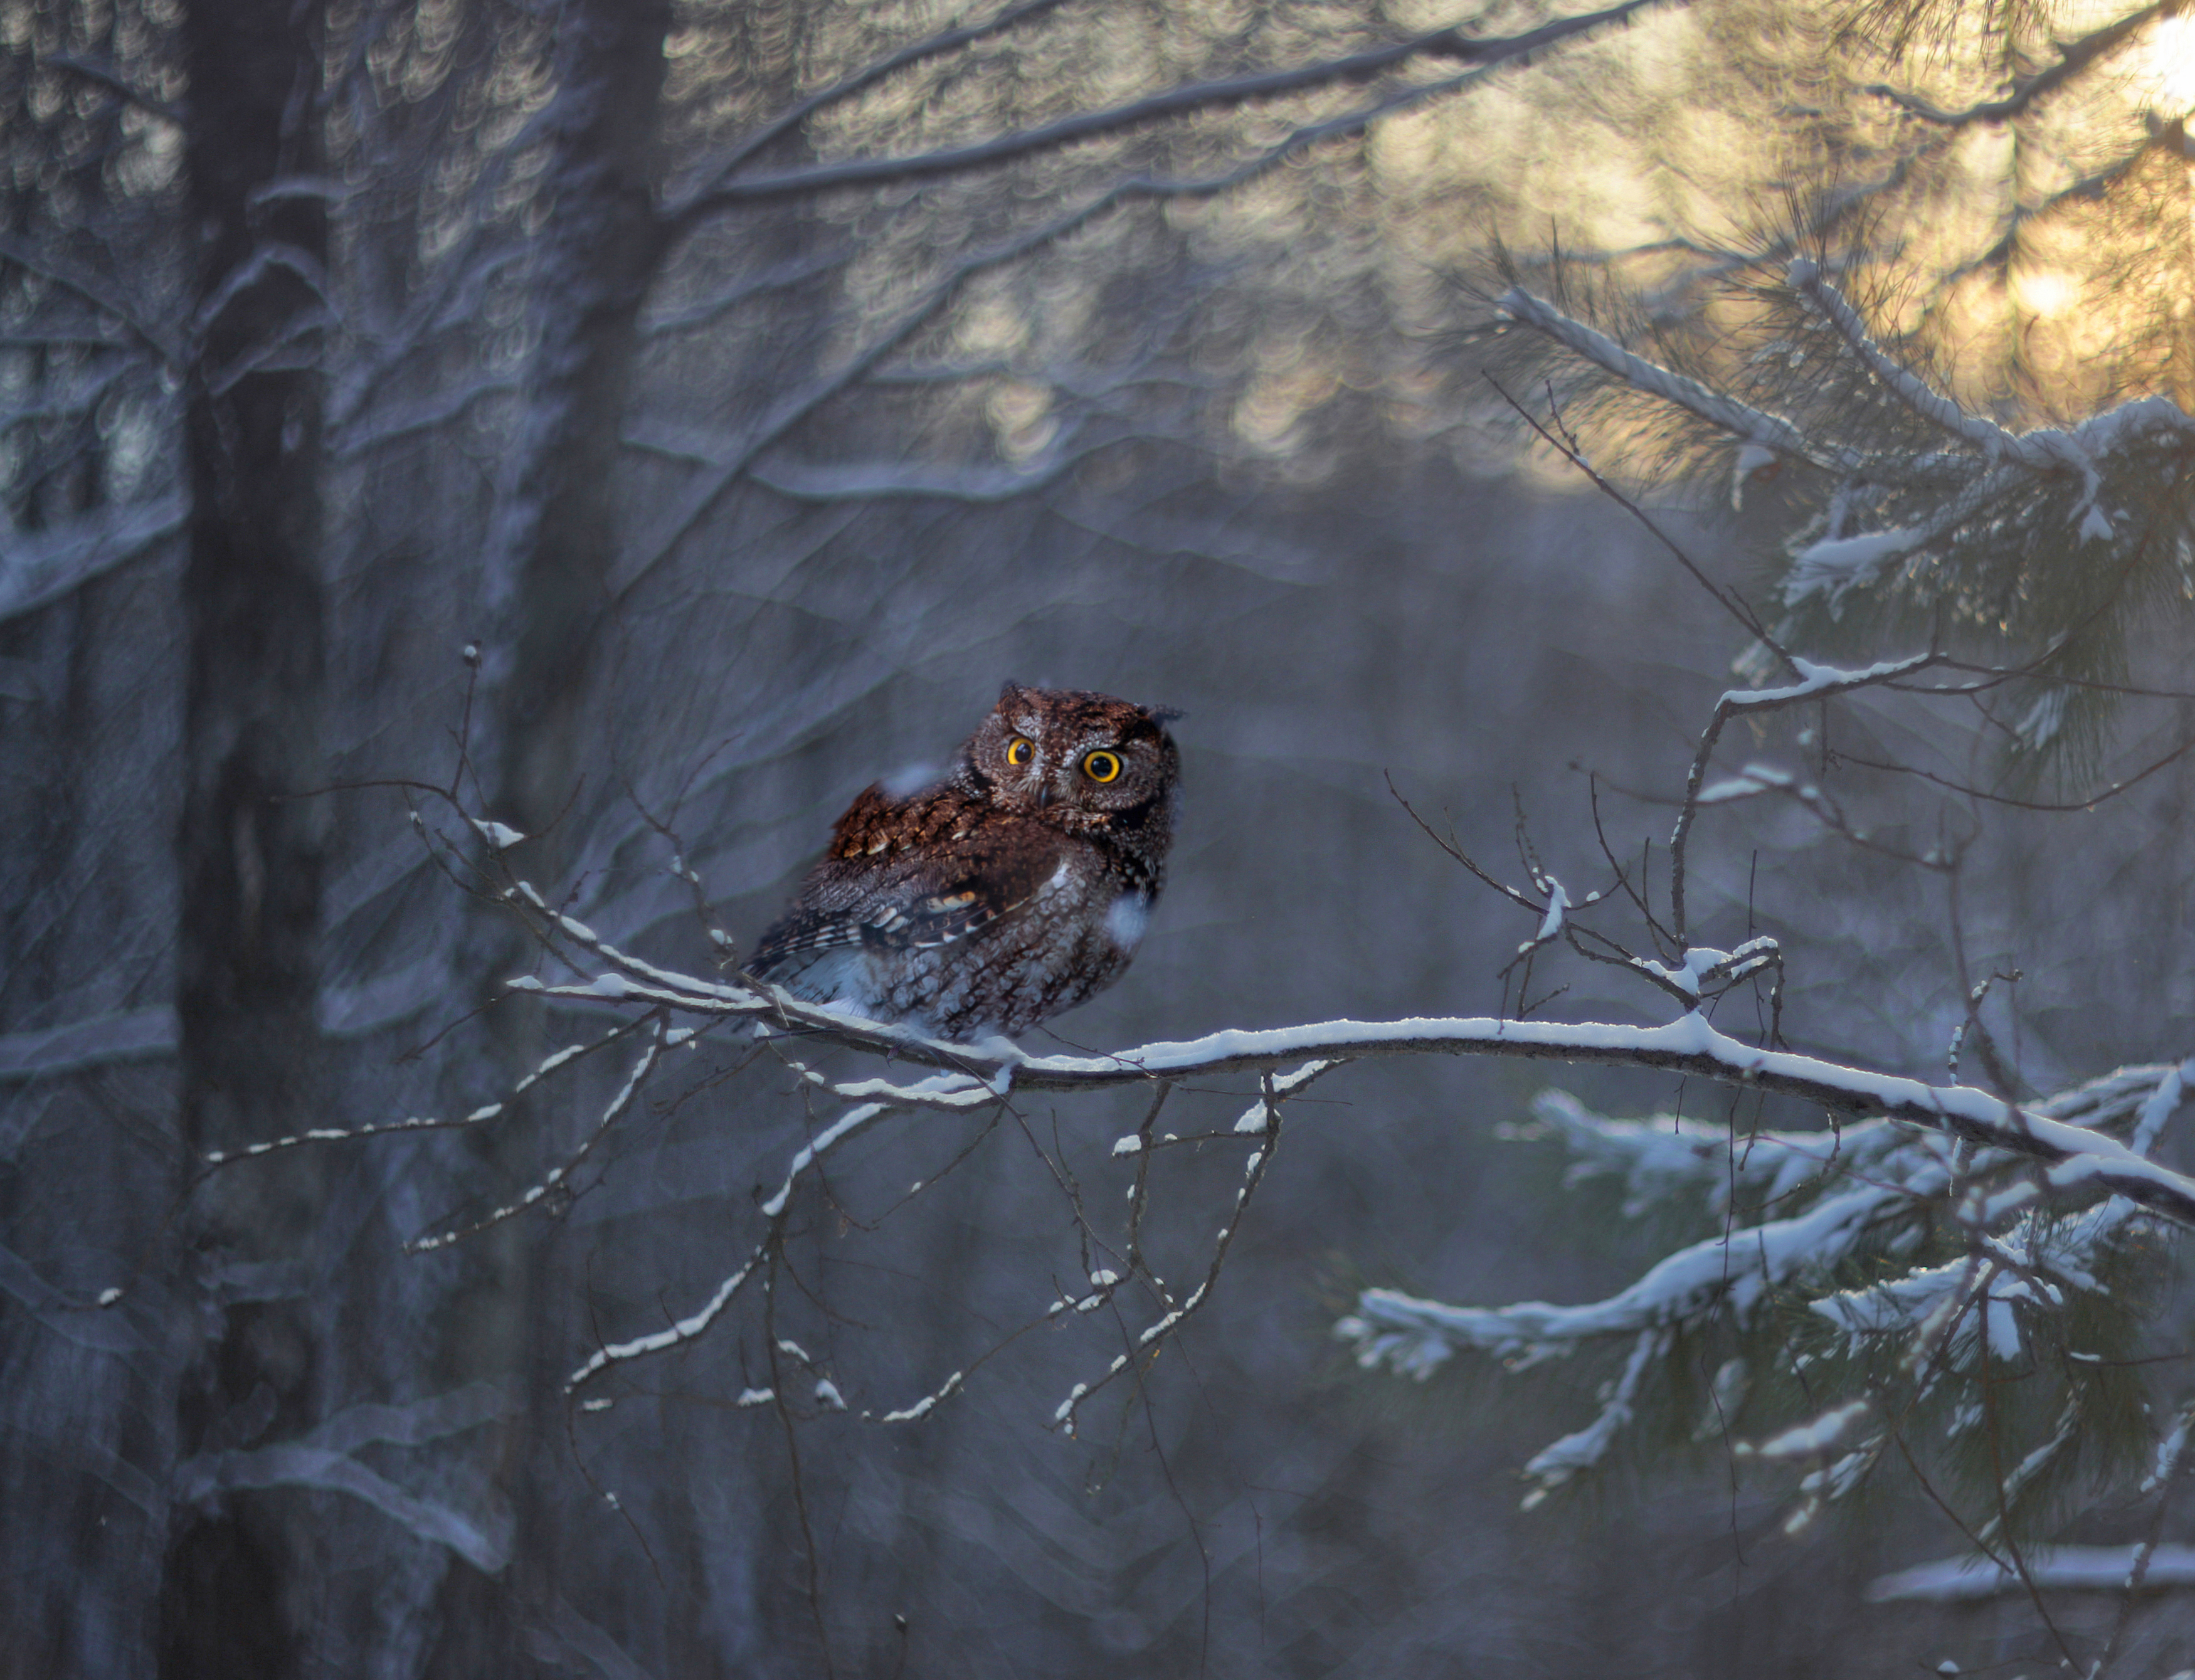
x=1012, y=889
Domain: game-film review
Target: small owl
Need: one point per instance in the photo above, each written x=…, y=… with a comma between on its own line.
x=1011, y=890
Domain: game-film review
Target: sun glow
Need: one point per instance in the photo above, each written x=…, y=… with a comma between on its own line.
x=2171, y=61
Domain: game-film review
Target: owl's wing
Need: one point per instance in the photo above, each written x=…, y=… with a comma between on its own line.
x=915, y=894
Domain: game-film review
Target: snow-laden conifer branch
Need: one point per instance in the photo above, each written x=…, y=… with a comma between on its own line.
x=1877, y=1191
x=1736, y=1273
x=1556, y=1464
x=1978, y=432
x=1990, y=533
x=1664, y=1157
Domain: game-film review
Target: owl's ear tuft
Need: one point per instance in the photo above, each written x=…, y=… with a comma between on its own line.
x=1164, y=714
x=1010, y=690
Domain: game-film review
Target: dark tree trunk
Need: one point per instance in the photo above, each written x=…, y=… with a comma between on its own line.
x=553, y=542
x=551, y=545
x=249, y=854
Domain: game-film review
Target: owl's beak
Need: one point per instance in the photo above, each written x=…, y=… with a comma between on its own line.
x=1043, y=795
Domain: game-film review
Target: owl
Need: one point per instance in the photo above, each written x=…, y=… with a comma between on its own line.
x=1011, y=890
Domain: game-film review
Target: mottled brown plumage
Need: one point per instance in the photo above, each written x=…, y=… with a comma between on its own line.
x=1011, y=890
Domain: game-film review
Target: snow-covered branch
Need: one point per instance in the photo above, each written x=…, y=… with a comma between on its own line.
x=324, y=1459
x=1976, y=431
x=2058, y=1568
x=39, y=568
x=1691, y=1045
x=1816, y=682
x=1771, y=432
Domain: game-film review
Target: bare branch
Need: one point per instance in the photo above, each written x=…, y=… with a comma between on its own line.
x=2074, y=56
x=1816, y=682
x=702, y=492
x=94, y=290
x=107, y=77
x=685, y=204
x=1449, y=42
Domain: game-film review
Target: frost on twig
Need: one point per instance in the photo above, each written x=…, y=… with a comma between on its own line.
x=1262, y=1121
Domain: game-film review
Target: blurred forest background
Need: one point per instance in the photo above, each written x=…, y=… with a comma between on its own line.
x=756, y=384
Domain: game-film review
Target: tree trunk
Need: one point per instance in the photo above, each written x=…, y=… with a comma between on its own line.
x=552, y=544
x=249, y=855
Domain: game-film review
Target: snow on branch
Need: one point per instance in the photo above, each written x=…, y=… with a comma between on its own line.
x=1664, y=1154
x=556, y=1179
x=2046, y=449
x=1878, y=1190
x=39, y=568
x=1816, y=682
x=1991, y=440
x=2078, y=1158
x=1822, y=683
x=1736, y=1272
x=848, y=1126
x=2074, y=1568
x=323, y=1459
x=1751, y=425
x=1985, y=487
x=1554, y=1464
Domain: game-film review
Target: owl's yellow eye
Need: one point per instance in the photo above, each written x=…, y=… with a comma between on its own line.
x=1020, y=749
x=1102, y=767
